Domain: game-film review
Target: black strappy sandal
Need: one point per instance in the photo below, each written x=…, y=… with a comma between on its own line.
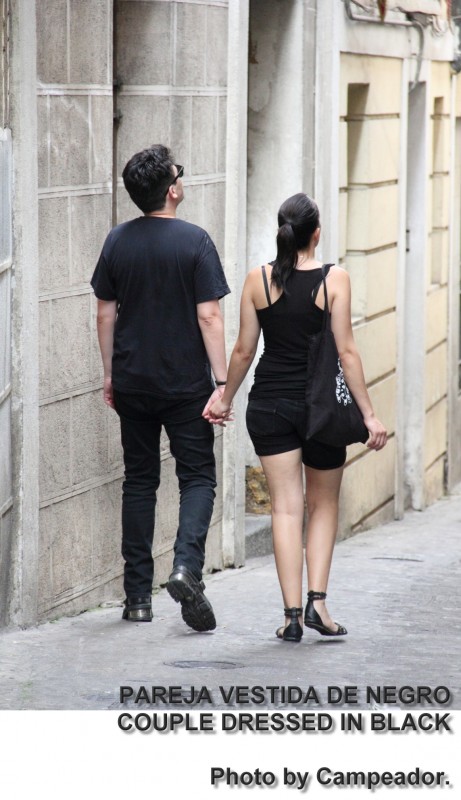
x=293, y=631
x=312, y=618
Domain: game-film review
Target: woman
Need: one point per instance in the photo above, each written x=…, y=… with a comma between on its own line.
x=286, y=300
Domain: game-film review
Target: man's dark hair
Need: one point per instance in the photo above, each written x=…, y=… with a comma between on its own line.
x=147, y=176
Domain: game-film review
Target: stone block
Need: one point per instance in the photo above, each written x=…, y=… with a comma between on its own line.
x=441, y=144
x=190, y=51
x=44, y=349
x=70, y=345
x=51, y=41
x=343, y=150
x=5, y=329
x=436, y=375
x=383, y=398
x=53, y=243
x=146, y=121
x=180, y=131
x=192, y=209
x=373, y=217
x=54, y=475
x=204, y=135
x=440, y=201
x=222, y=133
x=43, y=152
x=434, y=482
x=101, y=139
x=106, y=512
x=376, y=342
x=6, y=478
x=439, y=254
x=144, y=43
x=69, y=136
x=216, y=46
x=457, y=108
x=343, y=224
x=382, y=516
x=441, y=77
x=373, y=150
x=368, y=484
x=90, y=42
x=214, y=216
x=373, y=281
x=435, y=433
x=382, y=76
x=68, y=533
x=436, y=317
x=91, y=221
x=126, y=209
x=6, y=561
x=89, y=437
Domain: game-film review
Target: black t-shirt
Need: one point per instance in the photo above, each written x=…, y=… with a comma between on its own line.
x=158, y=270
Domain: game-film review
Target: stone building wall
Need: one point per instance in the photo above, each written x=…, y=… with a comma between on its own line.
x=171, y=74
x=80, y=465
x=369, y=164
x=6, y=477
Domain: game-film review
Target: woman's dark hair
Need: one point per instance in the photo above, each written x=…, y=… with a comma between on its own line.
x=298, y=218
x=147, y=176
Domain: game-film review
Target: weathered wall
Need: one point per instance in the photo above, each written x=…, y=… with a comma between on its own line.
x=80, y=465
x=171, y=68
x=369, y=163
x=6, y=479
x=441, y=162
x=394, y=315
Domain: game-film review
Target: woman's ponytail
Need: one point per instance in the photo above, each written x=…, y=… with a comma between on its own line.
x=298, y=218
x=287, y=256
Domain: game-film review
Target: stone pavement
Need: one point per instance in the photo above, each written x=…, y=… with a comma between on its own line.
x=396, y=588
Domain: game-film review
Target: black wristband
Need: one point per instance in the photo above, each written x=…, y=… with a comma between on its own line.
x=220, y=383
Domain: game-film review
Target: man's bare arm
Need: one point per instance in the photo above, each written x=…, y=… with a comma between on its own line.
x=107, y=314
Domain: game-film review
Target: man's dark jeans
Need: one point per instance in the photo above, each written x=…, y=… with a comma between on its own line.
x=191, y=444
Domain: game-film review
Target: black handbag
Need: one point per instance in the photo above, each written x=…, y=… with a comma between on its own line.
x=333, y=416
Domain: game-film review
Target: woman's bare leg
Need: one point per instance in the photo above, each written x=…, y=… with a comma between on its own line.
x=322, y=495
x=285, y=481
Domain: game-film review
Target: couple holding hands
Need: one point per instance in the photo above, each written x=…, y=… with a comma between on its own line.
x=158, y=282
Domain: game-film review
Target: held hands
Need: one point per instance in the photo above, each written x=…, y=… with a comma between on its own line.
x=217, y=412
x=107, y=392
x=377, y=431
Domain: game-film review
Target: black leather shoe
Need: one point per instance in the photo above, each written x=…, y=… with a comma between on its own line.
x=138, y=609
x=313, y=620
x=196, y=610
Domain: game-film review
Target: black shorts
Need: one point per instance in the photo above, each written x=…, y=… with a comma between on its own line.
x=278, y=426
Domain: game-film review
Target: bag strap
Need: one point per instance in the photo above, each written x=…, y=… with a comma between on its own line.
x=326, y=322
x=266, y=285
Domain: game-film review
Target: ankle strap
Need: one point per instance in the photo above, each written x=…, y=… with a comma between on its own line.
x=316, y=595
x=293, y=612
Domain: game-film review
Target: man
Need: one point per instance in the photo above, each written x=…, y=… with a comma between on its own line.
x=158, y=282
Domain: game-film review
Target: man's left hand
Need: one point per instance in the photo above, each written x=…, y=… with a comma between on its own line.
x=107, y=392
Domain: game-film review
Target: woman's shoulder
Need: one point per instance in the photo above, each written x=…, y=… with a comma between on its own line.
x=339, y=275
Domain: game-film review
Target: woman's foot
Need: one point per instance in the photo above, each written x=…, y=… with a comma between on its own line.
x=316, y=616
x=292, y=630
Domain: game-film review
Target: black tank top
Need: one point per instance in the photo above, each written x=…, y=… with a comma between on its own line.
x=286, y=325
